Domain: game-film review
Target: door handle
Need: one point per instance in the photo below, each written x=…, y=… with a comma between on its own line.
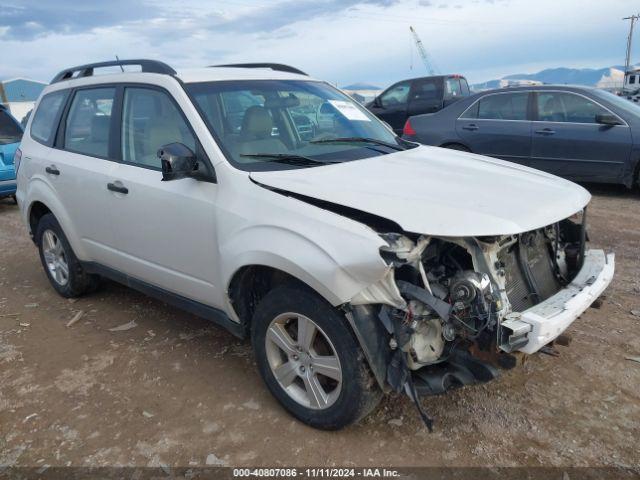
x=545, y=131
x=471, y=126
x=117, y=188
x=52, y=170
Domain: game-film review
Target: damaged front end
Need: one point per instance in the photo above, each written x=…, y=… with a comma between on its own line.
x=451, y=311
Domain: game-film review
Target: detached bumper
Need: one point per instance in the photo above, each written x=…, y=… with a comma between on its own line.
x=532, y=329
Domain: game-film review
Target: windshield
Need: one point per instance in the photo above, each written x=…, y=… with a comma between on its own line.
x=622, y=103
x=10, y=131
x=278, y=124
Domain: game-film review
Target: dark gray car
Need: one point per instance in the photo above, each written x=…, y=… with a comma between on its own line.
x=581, y=133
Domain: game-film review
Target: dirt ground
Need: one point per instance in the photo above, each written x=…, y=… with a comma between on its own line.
x=175, y=390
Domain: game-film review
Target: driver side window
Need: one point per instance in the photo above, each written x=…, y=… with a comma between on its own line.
x=396, y=96
x=150, y=120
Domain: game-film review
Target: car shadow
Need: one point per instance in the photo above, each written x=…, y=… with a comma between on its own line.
x=610, y=190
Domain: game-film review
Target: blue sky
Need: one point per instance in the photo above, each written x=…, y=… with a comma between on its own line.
x=342, y=41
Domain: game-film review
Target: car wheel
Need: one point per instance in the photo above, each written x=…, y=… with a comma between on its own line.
x=310, y=360
x=457, y=146
x=15, y=199
x=62, y=267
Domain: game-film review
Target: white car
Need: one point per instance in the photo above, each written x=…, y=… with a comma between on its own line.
x=357, y=262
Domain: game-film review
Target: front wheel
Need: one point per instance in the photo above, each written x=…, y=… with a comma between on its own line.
x=310, y=360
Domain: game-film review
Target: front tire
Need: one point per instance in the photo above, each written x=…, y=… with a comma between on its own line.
x=310, y=360
x=63, y=269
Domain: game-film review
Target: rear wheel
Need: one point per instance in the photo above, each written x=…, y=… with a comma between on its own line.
x=15, y=199
x=310, y=360
x=62, y=267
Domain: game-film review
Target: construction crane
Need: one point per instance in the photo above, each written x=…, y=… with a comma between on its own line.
x=431, y=69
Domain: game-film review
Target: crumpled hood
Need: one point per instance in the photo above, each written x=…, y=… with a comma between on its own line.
x=438, y=191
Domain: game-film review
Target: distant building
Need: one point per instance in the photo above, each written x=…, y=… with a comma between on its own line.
x=514, y=82
x=632, y=81
x=19, y=95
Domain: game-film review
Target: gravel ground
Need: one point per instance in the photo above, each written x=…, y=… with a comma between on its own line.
x=174, y=390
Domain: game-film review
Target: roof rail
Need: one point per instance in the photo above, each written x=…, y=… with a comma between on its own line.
x=278, y=67
x=147, y=66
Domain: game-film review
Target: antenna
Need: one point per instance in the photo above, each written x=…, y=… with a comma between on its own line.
x=121, y=67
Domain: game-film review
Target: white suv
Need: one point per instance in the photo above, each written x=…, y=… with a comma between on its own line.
x=277, y=207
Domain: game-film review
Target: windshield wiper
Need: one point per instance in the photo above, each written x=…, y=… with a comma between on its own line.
x=373, y=141
x=289, y=159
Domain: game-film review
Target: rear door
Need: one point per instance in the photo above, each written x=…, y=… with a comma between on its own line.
x=391, y=106
x=498, y=125
x=568, y=142
x=166, y=230
x=78, y=167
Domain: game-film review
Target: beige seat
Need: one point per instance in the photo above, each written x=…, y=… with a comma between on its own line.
x=255, y=134
x=160, y=131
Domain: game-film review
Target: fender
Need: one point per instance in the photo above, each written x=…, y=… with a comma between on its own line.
x=38, y=190
x=297, y=255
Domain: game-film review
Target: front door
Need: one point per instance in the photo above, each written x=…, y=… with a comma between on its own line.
x=568, y=142
x=166, y=230
x=498, y=125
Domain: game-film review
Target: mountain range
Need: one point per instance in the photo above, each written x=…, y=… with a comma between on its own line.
x=609, y=77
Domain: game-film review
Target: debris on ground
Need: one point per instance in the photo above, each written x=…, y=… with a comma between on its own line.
x=633, y=359
x=213, y=460
x=124, y=326
x=635, y=313
x=147, y=414
x=31, y=305
x=75, y=318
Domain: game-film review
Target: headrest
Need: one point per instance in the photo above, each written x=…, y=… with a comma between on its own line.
x=257, y=122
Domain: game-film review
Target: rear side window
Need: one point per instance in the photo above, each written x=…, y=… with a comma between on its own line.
x=44, y=124
x=88, y=127
x=10, y=131
x=452, y=88
x=502, y=106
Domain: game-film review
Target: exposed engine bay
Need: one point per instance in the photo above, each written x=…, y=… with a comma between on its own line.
x=449, y=303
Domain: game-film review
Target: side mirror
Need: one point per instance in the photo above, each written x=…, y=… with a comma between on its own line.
x=607, y=119
x=178, y=161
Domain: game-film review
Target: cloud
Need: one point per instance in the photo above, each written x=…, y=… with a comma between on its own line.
x=33, y=18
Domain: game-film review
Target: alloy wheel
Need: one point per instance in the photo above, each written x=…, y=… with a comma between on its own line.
x=303, y=361
x=55, y=257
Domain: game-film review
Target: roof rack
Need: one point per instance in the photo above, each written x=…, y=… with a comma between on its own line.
x=147, y=66
x=278, y=67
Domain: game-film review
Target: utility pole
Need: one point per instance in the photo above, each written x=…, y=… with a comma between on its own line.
x=627, y=62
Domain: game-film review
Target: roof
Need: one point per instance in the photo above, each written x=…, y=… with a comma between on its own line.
x=20, y=90
x=212, y=74
x=527, y=88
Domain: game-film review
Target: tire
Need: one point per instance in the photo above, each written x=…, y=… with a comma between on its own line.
x=346, y=400
x=457, y=146
x=56, y=254
x=15, y=199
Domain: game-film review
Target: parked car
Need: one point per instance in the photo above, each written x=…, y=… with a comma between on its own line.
x=581, y=133
x=10, y=135
x=357, y=263
x=416, y=96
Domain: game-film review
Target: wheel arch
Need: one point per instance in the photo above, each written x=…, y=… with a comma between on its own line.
x=40, y=200
x=251, y=283
x=450, y=143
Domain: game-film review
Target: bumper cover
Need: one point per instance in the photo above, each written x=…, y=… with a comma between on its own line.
x=532, y=329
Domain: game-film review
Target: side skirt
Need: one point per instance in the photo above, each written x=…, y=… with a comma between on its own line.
x=199, y=309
